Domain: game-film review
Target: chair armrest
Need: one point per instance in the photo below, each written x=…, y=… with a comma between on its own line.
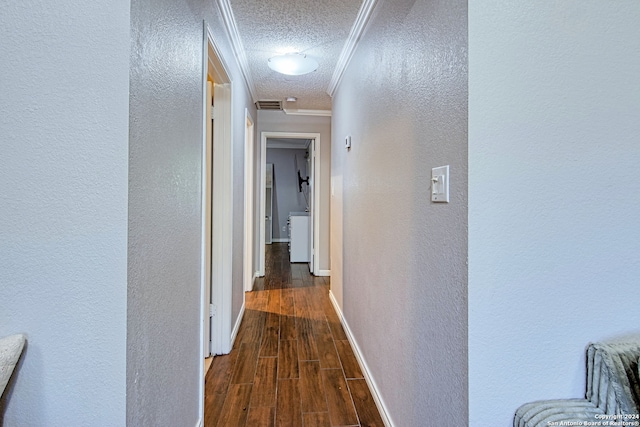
x=10, y=350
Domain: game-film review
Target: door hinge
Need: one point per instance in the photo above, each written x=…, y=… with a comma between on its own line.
x=212, y=310
x=212, y=112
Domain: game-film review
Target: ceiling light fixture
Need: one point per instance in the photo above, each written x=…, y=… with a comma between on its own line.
x=293, y=64
x=291, y=99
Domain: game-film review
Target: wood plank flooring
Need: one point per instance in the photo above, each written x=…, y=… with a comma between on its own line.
x=291, y=364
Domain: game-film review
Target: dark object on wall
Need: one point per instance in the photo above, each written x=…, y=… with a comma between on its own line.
x=301, y=181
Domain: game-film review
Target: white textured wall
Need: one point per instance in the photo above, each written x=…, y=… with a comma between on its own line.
x=403, y=100
x=163, y=354
x=63, y=209
x=277, y=121
x=164, y=215
x=554, y=241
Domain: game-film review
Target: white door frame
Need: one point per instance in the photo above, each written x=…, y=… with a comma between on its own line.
x=207, y=180
x=312, y=209
x=222, y=210
x=315, y=215
x=249, y=247
x=222, y=222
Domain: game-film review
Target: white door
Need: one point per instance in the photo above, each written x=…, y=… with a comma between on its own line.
x=248, y=204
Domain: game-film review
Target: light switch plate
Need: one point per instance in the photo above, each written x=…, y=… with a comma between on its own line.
x=440, y=184
x=347, y=143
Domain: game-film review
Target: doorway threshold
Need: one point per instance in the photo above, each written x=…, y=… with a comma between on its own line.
x=207, y=364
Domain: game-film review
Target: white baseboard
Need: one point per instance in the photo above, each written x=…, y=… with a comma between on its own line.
x=382, y=408
x=323, y=273
x=236, y=328
x=280, y=240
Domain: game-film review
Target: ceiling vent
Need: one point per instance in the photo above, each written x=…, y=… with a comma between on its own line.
x=269, y=104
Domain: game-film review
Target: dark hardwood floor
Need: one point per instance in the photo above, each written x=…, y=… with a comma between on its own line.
x=291, y=364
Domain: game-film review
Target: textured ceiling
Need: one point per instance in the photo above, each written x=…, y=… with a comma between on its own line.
x=317, y=28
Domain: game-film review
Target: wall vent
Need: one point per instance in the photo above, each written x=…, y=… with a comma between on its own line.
x=269, y=104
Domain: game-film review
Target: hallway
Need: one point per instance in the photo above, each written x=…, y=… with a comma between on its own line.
x=291, y=364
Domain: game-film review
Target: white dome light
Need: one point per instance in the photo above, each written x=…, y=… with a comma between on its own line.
x=292, y=64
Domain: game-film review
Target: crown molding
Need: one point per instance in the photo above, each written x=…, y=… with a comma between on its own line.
x=292, y=112
x=237, y=46
x=364, y=14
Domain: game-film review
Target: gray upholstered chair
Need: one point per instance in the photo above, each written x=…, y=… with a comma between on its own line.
x=613, y=388
x=10, y=350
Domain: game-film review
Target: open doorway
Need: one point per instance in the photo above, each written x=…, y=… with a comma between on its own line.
x=249, y=167
x=217, y=215
x=287, y=191
x=306, y=184
x=220, y=184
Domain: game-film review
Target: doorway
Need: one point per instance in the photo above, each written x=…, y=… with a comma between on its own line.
x=249, y=270
x=221, y=187
x=313, y=197
x=217, y=215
